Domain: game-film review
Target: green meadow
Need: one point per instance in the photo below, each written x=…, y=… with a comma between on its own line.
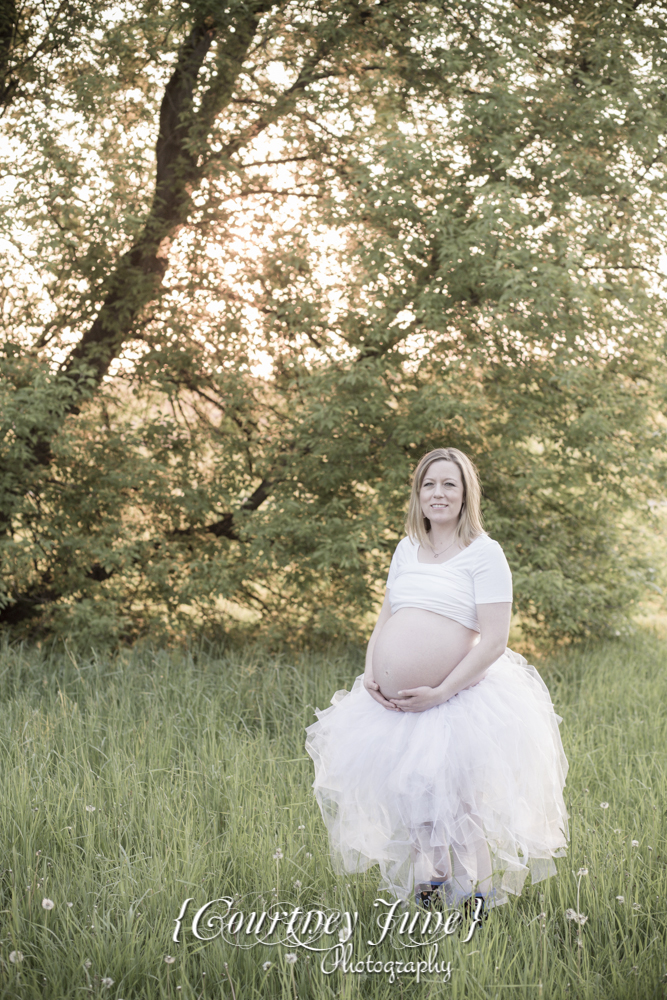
x=132, y=782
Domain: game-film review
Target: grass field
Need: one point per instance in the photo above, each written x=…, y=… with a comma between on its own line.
x=129, y=784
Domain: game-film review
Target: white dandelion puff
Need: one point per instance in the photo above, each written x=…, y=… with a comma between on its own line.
x=169, y=959
x=621, y=899
x=297, y=883
x=308, y=854
x=70, y=905
x=15, y=957
x=578, y=918
x=635, y=843
x=47, y=904
x=636, y=906
x=290, y=958
x=267, y=966
x=107, y=982
x=302, y=827
x=583, y=871
x=604, y=805
x=278, y=856
x=90, y=809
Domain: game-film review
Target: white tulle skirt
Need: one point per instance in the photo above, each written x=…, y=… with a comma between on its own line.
x=470, y=791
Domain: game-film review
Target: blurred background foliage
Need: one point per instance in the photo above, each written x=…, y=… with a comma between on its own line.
x=259, y=256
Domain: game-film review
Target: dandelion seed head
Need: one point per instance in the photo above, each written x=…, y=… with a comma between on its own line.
x=636, y=906
x=47, y=904
x=290, y=958
x=169, y=959
x=604, y=805
x=90, y=809
x=308, y=854
x=583, y=871
x=621, y=899
x=297, y=883
x=15, y=957
x=267, y=966
x=278, y=856
x=301, y=827
x=87, y=964
x=635, y=843
x=107, y=982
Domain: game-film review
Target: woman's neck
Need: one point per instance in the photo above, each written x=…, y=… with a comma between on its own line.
x=440, y=538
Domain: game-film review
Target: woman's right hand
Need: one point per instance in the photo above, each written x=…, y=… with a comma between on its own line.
x=373, y=689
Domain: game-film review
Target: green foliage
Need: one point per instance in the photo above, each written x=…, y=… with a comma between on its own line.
x=392, y=227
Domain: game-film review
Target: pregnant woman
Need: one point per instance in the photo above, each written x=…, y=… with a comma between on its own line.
x=444, y=764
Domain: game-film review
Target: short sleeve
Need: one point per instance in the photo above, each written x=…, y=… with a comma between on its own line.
x=396, y=562
x=492, y=577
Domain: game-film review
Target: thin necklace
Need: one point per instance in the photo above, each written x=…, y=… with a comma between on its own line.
x=437, y=554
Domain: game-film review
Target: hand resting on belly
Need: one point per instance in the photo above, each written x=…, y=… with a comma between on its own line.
x=418, y=648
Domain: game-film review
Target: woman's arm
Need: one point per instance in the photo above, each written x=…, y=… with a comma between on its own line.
x=494, y=622
x=370, y=683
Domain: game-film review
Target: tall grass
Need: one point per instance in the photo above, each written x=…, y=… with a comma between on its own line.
x=130, y=783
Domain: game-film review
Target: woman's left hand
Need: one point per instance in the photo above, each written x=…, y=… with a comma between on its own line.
x=416, y=699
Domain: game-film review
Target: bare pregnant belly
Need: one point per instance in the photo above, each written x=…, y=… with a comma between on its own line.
x=417, y=648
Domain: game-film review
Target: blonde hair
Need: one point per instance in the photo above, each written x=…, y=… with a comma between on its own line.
x=470, y=524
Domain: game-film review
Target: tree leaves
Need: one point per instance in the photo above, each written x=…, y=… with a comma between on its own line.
x=263, y=256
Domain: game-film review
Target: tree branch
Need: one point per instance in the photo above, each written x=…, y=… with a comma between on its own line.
x=183, y=131
x=224, y=528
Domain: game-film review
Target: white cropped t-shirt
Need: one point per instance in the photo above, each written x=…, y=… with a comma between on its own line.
x=479, y=574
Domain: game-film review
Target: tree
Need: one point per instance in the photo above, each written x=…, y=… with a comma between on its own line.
x=366, y=229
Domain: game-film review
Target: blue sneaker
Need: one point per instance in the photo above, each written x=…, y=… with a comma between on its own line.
x=430, y=898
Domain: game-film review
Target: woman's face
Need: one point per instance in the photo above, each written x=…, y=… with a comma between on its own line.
x=441, y=494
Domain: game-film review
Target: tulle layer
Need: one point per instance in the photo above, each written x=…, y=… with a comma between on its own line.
x=470, y=791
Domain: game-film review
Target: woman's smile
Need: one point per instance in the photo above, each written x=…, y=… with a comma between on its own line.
x=441, y=493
